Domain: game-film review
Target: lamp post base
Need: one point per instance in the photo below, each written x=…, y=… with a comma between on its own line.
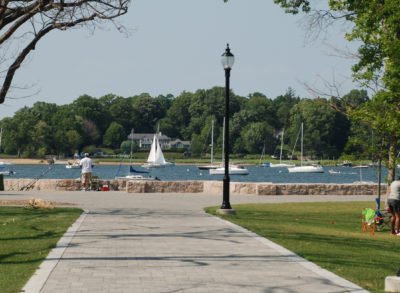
x=226, y=211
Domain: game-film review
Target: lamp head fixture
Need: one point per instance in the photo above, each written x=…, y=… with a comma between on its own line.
x=227, y=58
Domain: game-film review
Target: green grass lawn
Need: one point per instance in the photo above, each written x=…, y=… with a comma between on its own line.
x=328, y=234
x=26, y=237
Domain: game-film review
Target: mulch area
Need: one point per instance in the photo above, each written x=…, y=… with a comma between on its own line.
x=25, y=203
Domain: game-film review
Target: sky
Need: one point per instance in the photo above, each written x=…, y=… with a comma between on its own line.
x=175, y=46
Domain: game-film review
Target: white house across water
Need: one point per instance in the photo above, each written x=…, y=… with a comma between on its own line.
x=144, y=140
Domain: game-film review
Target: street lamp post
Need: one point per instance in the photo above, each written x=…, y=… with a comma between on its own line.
x=227, y=61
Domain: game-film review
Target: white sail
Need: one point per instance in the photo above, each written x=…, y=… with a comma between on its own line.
x=152, y=155
x=159, y=157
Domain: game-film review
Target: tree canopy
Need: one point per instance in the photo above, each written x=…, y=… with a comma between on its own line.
x=256, y=122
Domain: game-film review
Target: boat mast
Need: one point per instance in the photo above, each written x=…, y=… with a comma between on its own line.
x=130, y=158
x=301, y=143
x=212, y=142
x=280, y=157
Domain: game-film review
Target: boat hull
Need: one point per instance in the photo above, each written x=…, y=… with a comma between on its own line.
x=155, y=165
x=231, y=171
x=136, y=178
x=282, y=165
x=306, y=169
x=209, y=167
x=72, y=167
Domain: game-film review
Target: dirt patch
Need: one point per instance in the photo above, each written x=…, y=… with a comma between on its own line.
x=25, y=203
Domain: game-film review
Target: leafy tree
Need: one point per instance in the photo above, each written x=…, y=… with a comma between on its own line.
x=325, y=130
x=238, y=122
x=376, y=25
x=146, y=112
x=178, y=117
x=24, y=122
x=41, y=136
x=114, y=135
x=9, y=142
x=91, y=109
x=378, y=115
x=354, y=99
x=165, y=102
x=44, y=111
x=74, y=141
x=92, y=133
x=261, y=109
x=121, y=112
x=282, y=106
x=254, y=136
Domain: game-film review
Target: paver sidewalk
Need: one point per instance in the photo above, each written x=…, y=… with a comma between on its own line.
x=153, y=244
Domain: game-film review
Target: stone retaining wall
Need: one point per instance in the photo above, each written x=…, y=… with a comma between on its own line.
x=209, y=187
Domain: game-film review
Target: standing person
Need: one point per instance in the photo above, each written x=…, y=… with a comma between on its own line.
x=86, y=165
x=394, y=206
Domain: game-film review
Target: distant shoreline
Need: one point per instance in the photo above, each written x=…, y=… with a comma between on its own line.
x=27, y=161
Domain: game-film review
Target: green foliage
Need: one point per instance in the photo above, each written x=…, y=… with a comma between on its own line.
x=27, y=236
x=146, y=112
x=90, y=123
x=325, y=130
x=328, y=234
x=114, y=135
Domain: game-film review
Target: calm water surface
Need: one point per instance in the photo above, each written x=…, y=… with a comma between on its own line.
x=191, y=172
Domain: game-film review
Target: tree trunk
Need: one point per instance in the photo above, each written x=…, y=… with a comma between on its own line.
x=392, y=164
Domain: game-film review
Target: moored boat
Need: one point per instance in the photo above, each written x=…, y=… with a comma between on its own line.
x=232, y=170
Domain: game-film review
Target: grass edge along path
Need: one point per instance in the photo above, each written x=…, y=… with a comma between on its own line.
x=27, y=236
x=328, y=234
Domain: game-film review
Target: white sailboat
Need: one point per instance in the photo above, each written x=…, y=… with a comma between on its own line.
x=305, y=169
x=212, y=165
x=156, y=157
x=281, y=165
x=133, y=174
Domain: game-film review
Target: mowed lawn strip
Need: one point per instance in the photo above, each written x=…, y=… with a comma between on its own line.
x=26, y=237
x=328, y=234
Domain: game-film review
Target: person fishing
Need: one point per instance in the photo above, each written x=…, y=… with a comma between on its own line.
x=86, y=164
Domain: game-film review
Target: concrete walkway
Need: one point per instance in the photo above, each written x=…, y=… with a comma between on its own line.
x=166, y=243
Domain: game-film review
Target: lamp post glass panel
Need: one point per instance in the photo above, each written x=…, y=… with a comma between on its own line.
x=227, y=61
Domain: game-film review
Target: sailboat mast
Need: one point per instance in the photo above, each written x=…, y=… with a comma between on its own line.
x=130, y=158
x=280, y=156
x=301, y=143
x=212, y=141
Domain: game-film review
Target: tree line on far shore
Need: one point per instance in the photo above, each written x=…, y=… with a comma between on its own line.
x=256, y=123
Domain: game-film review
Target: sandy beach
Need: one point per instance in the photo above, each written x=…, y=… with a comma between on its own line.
x=20, y=161
x=27, y=161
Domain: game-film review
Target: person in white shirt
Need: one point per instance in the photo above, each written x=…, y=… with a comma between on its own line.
x=86, y=165
x=394, y=206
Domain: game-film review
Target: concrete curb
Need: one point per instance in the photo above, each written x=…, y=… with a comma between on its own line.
x=345, y=284
x=41, y=275
x=392, y=284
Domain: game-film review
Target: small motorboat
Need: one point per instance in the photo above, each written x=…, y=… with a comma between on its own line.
x=74, y=165
x=232, y=170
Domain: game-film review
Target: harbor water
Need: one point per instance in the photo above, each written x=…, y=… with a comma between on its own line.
x=191, y=172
